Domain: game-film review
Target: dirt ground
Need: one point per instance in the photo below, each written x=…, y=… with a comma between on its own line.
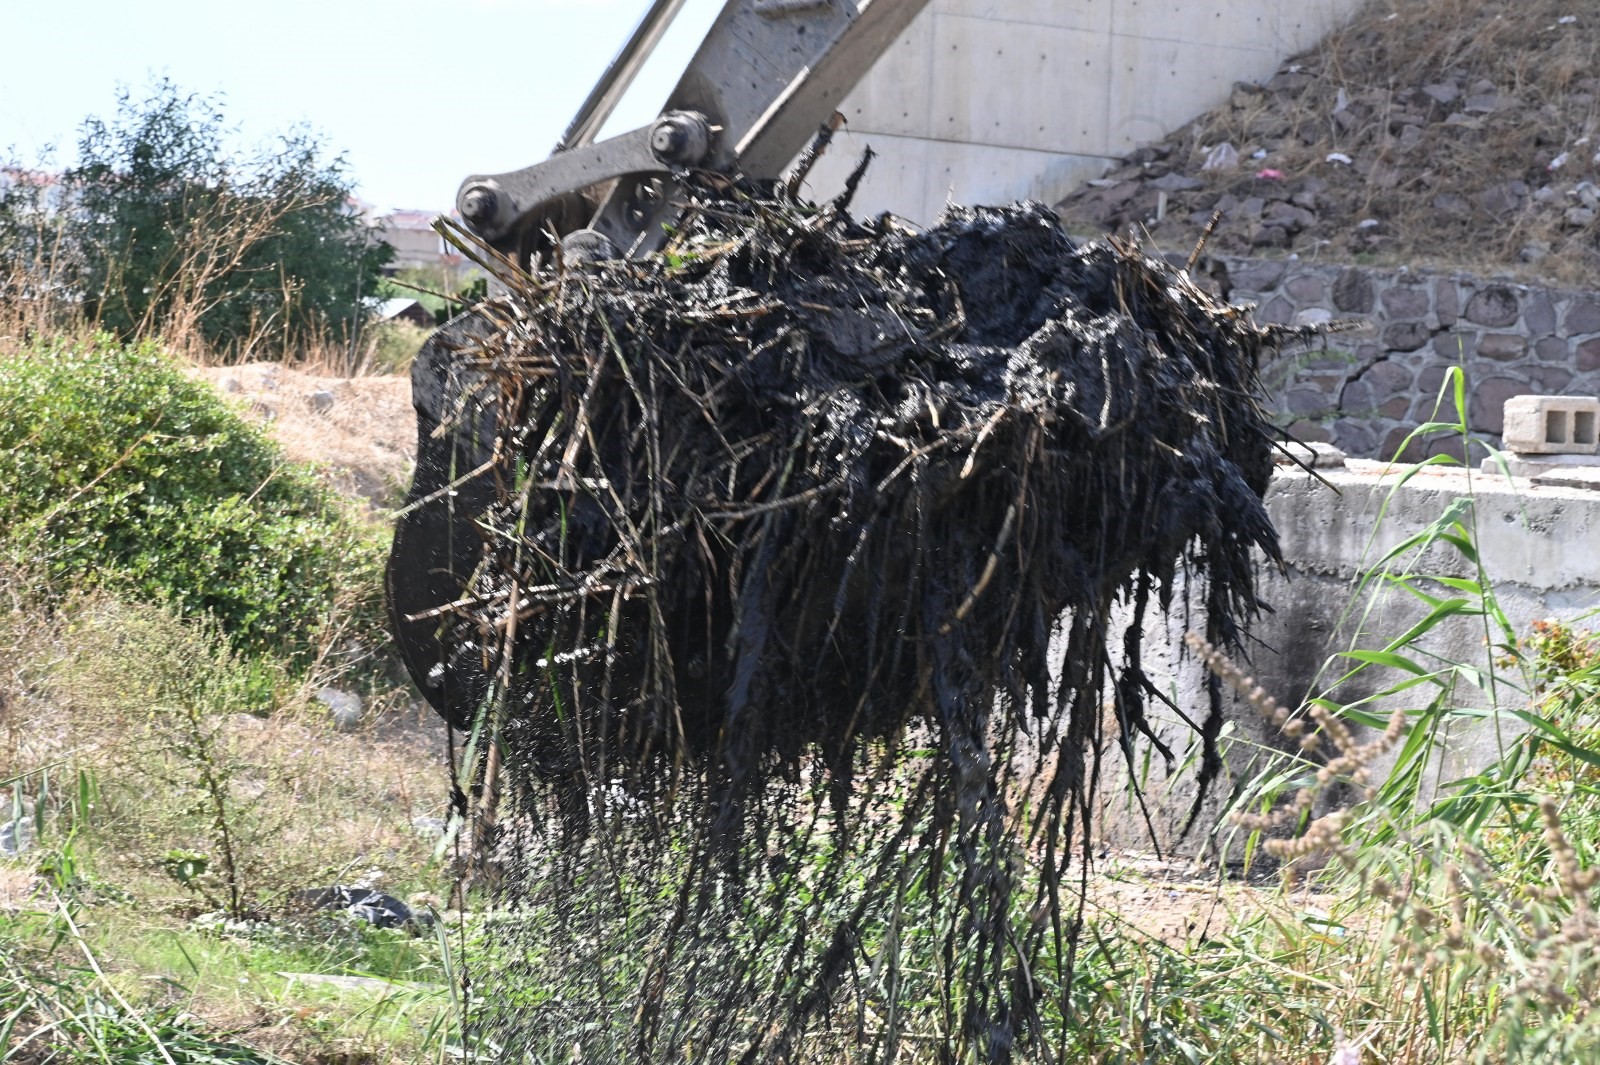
x=359, y=431
x=1181, y=904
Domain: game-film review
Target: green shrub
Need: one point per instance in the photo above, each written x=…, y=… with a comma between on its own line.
x=119, y=471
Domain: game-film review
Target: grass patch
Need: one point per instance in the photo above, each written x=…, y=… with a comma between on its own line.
x=179, y=803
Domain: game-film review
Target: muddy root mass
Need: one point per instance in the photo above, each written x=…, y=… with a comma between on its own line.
x=796, y=606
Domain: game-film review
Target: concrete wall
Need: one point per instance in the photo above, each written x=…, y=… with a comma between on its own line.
x=1536, y=543
x=988, y=101
x=1366, y=391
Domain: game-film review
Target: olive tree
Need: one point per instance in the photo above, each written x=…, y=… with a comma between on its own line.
x=163, y=229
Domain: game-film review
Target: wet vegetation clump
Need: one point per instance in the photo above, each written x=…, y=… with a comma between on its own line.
x=809, y=585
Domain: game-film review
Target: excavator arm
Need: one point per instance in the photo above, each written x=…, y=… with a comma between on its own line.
x=767, y=75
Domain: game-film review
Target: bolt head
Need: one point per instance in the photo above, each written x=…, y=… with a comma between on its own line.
x=478, y=206
x=667, y=139
x=679, y=138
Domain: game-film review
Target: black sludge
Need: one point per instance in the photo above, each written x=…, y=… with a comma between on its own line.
x=790, y=605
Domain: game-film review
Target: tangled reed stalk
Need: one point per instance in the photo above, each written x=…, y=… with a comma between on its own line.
x=799, y=575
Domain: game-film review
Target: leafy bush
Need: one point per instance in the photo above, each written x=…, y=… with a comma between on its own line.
x=119, y=471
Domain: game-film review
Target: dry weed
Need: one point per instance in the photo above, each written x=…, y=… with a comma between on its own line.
x=196, y=751
x=1446, y=953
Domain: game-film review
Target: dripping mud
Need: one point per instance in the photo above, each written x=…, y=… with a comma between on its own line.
x=775, y=577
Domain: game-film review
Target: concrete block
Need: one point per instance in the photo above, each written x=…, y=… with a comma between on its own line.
x=1241, y=25
x=914, y=177
x=975, y=173
x=1585, y=477
x=1157, y=85
x=1309, y=455
x=1058, y=177
x=1093, y=15
x=1534, y=467
x=1301, y=25
x=1019, y=85
x=896, y=181
x=893, y=96
x=1552, y=425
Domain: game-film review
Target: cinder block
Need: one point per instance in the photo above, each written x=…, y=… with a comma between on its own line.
x=1552, y=425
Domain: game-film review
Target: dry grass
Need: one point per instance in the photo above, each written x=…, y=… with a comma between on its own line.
x=98, y=691
x=106, y=687
x=35, y=304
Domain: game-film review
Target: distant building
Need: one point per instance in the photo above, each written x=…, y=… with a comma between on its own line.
x=417, y=244
x=411, y=235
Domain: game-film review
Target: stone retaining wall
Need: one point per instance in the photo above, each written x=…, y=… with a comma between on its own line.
x=1365, y=391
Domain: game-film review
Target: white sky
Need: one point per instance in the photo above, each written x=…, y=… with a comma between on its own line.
x=417, y=94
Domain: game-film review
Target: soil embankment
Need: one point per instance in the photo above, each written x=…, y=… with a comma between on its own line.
x=358, y=430
x=1452, y=134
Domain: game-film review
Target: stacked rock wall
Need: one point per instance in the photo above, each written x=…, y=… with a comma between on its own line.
x=1365, y=391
